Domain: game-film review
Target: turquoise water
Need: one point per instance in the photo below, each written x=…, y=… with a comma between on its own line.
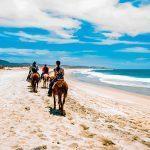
x=138, y=73
x=133, y=80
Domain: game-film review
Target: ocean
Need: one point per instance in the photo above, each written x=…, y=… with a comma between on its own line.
x=132, y=80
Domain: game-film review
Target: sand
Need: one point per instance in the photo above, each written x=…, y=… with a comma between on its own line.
x=96, y=117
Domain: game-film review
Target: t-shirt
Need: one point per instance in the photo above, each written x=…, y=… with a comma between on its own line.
x=45, y=69
x=59, y=73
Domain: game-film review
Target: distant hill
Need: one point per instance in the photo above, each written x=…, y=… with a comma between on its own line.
x=4, y=63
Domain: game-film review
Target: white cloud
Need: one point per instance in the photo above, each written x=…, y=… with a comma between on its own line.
x=25, y=37
x=113, y=35
x=142, y=2
x=29, y=55
x=111, y=42
x=135, y=50
x=62, y=16
x=141, y=59
x=28, y=13
x=23, y=52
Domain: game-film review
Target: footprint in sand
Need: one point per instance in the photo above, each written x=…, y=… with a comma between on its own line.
x=107, y=142
x=19, y=148
x=27, y=108
x=42, y=136
x=74, y=146
x=43, y=147
x=84, y=127
x=85, y=132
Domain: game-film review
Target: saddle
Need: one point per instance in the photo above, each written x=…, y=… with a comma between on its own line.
x=35, y=76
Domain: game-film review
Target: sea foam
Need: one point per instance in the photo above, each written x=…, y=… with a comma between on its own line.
x=117, y=79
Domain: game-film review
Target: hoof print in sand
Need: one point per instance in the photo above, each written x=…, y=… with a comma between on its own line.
x=43, y=147
x=19, y=148
x=27, y=108
x=107, y=142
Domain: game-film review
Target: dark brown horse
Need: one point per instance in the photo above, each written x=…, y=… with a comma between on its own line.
x=35, y=78
x=60, y=89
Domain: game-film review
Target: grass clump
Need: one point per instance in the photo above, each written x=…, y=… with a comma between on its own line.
x=107, y=142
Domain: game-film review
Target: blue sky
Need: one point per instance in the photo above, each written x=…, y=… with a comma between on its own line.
x=109, y=33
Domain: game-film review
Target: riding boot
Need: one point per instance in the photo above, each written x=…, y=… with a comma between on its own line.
x=28, y=77
x=50, y=91
x=50, y=87
x=42, y=76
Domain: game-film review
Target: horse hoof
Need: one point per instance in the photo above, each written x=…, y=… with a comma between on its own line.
x=63, y=113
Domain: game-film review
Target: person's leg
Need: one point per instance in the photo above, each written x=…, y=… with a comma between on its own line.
x=28, y=77
x=42, y=75
x=50, y=87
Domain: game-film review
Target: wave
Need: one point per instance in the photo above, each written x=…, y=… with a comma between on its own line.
x=117, y=79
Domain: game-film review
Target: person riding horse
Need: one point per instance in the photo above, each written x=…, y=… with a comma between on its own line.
x=45, y=70
x=58, y=74
x=34, y=67
x=35, y=78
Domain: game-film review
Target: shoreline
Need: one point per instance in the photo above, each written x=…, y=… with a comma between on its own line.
x=105, y=88
x=95, y=81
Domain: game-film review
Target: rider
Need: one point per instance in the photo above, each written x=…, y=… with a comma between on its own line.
x=58, y=74
x=45, y=70
x=34, y=67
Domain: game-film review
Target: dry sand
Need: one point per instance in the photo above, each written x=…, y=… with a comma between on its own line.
x=96, y=117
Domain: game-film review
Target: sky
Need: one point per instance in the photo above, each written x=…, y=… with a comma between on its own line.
x=109, y=33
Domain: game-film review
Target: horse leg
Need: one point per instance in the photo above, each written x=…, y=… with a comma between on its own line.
x=47, y=83
x=63, y=102
x=33, y=85
x=37, y=86
x=60, y=104
x=54, y=101
x=59, y=99
x=43, y=82
x=64, y=98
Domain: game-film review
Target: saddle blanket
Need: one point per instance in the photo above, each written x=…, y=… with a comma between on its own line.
x=59, y=83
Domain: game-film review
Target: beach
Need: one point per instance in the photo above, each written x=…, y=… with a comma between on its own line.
x=96, y=118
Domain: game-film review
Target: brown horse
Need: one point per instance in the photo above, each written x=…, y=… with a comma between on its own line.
x=35, y=78
x=60, y=88
x=45, y=80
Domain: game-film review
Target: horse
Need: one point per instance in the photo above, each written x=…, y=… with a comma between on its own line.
x=45, y=80
x=35, y=78
x=60, y=89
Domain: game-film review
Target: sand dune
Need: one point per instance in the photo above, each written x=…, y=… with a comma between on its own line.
x=96, y=117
